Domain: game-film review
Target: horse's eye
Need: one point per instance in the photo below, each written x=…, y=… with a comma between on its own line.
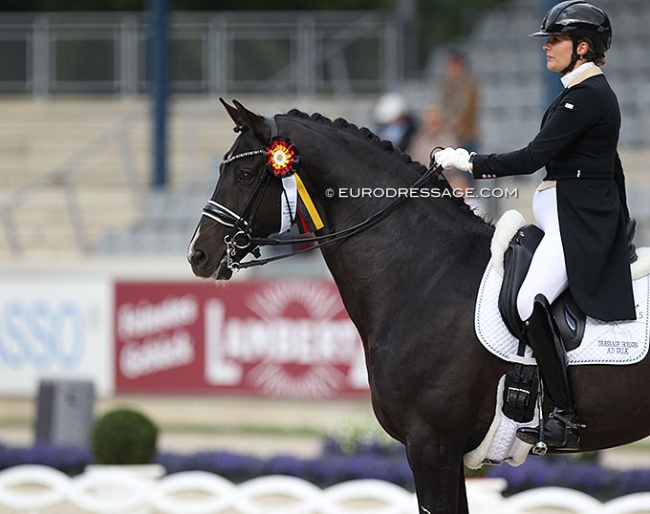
x=244, y=177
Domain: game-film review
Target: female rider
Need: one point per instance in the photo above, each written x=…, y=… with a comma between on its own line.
x=581, y=205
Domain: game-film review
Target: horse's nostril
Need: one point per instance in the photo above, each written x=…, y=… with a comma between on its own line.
x=197, y=257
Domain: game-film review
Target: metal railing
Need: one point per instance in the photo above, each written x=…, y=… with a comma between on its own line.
x=210, y=52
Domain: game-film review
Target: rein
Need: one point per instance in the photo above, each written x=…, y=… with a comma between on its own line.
x=242, y=238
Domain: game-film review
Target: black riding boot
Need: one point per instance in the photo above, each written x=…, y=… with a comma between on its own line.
x=561, y=427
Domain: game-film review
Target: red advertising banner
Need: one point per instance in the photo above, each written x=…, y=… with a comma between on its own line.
x=279, y=338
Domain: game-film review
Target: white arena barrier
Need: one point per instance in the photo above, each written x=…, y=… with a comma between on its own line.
x=113, y=490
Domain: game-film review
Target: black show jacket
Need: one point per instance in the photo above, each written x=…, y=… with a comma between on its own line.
x=577, y=144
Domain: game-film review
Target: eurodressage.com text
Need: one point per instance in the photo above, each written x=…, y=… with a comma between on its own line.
x=414, y=192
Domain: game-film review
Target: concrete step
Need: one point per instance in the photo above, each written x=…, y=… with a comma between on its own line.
x=45, y=221
x=41, y=142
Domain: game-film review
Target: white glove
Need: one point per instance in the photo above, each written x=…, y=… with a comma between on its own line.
x=457, y=158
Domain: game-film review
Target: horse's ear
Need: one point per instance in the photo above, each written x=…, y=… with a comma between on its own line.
x=255, y=122
x=234, y=113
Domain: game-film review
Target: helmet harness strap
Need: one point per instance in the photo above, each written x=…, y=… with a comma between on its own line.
x=575, y=57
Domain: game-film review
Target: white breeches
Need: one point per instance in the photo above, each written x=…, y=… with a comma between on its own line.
x=547, y=274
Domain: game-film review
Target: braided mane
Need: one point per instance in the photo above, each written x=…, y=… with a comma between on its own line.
x=386, y=146
x=361, y=132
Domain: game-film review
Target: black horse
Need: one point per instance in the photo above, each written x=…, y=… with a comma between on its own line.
x=408, y=273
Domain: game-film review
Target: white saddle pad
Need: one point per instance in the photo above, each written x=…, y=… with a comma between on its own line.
x=624, y=342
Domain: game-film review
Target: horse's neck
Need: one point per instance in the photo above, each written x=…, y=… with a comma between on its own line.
x=402, y=264
x=426, y=247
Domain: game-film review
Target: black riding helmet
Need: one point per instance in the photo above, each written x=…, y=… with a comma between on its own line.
x=576, y=18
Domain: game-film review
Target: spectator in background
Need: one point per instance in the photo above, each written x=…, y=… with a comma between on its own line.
x=433, y=132
x=395, y=122
x=459, y=98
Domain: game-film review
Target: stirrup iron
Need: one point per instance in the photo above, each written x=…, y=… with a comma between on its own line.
x=540, y=447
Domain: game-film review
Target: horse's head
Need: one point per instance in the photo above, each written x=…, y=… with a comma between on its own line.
x=246, y=201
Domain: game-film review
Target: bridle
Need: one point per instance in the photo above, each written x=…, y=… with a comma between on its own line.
x=242, y=239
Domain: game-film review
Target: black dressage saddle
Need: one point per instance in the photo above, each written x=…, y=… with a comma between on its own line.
x=569, y=318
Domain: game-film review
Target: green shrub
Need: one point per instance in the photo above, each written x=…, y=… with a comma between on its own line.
x=124, y=436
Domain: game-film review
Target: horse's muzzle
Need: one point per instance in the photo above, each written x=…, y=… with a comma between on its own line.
x=204, y=267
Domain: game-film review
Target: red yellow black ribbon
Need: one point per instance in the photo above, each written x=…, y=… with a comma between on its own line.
x=283, y=160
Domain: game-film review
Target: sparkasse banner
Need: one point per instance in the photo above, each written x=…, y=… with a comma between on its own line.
x=55, y=328
x=276, y=338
